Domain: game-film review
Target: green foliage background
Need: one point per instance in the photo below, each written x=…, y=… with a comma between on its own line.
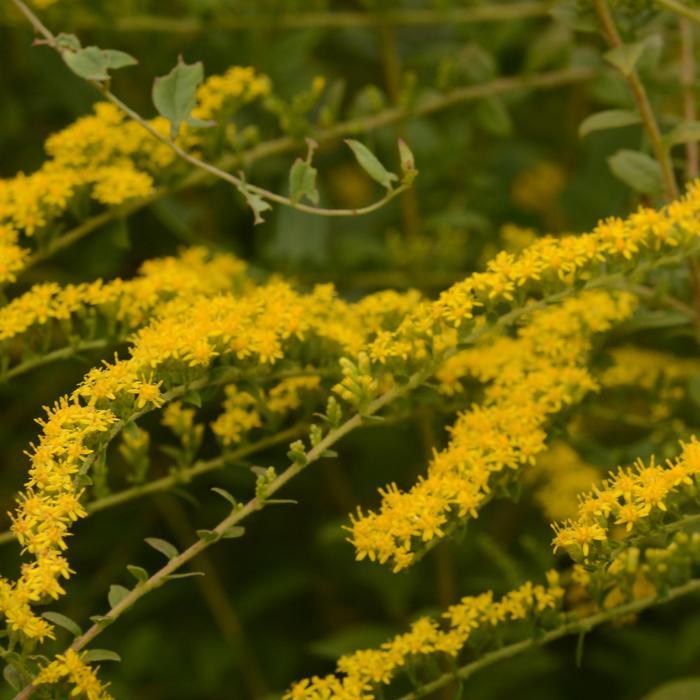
x=288, y=598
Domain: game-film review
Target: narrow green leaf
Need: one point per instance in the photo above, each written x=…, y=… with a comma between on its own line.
x=101, y=619
x=608, y=119
x=117, y=594
x=63, y=621
x=225, y=494
x=12, y=677
x=625, y=57
x=638, y=170
x=302, y=182
x=233, y=532
x=138, y=572
x=93, y=63
x=208, y=535
x=94, y=655
x=371, y=164
x=408, y=161
x=174, y=94
x=187, y=574
x=163, y=546
x=686, y=132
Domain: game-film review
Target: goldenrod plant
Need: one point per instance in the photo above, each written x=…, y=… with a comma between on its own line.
x=408, y=406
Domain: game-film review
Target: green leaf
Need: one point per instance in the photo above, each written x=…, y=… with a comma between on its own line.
x=93, y=63
x=638, y=170
x=13, y=677
x=371, y=164
x=686, y=132
x=225, y=494
x=138, y=572
x=174, y=94
x=187, y=574
x=101, y=619
x=163, y=546
x=208, y=535
x=408, y=161
x=117, y=594
x=94, y=655
x=193, y=397
x=233, y=532
x=609, y=119
x=256, y=203
x=63, y=621
x=494, y=117
x=68, y=41
x=625, y=57
x=681, y=689
x=302, y=182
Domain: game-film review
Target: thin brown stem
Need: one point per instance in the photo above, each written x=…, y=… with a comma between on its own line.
x=494, y=12
x=238, y=182
x=688, y=84
x=651, y=126
x=680, y=9
x=352, y=127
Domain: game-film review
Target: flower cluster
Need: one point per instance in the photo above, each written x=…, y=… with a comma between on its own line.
x=532, y=377
x=663, y=375
x=185, y=339
x=108, y=158
x=616, y=576
x=71, y=667
x=49, y=313
x=217, y=329
x=242, y=409
x=628, y=503
x=550, y=266
x=238, y=86
x=365, y=670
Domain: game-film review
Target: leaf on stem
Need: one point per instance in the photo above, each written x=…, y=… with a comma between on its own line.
x=63, y=621
x=94, y=655
x=163, y=546
x=174, y=94
x=371, y=164
x=638, y=170
x=93, y=63
x=608, y=119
